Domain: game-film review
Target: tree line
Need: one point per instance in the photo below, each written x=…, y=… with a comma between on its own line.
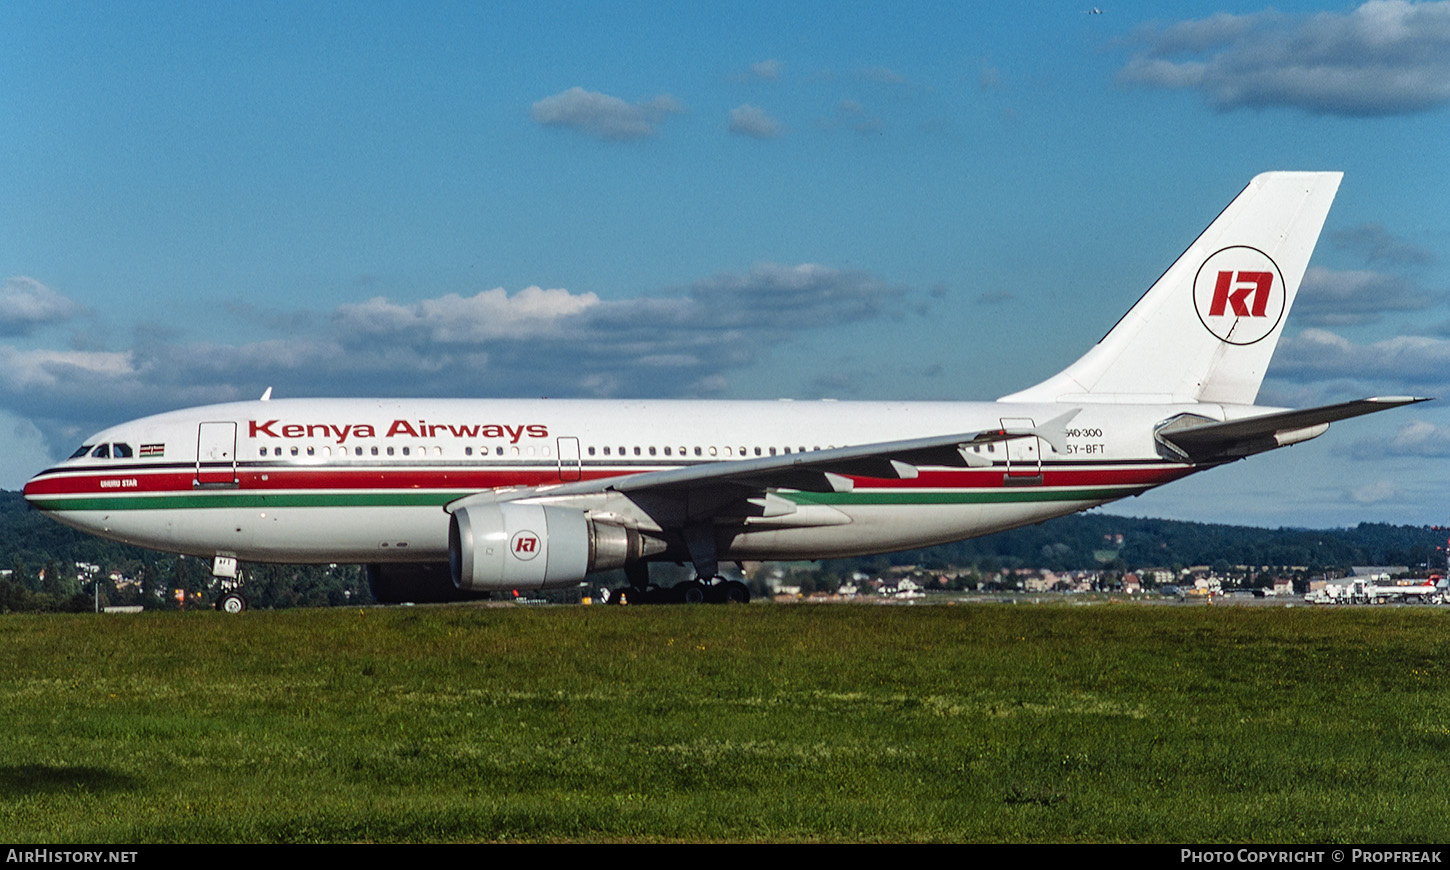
x=41, y=556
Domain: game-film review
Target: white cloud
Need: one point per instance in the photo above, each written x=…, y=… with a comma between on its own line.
x=852, y=115
x=750, y=121
x=1374, y=492
x=1417, y=438
x=24, y=449
x=767, y=70
x=1387, y=57
x=490, y=314
x=536, y=342
x=1377, y=245
x=1324, y=366
x=32, y=369
x=603, y=116
x=25, y=304
x=1341, y=298
x=990, y=78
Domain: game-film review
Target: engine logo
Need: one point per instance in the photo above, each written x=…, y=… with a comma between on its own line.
x=525, y=545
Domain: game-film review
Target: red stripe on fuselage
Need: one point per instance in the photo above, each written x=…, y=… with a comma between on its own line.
x=136, y=481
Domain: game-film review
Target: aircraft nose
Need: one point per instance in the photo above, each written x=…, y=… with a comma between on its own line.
x=34, y=489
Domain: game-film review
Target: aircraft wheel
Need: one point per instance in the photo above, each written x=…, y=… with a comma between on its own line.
x=692, y=592
x=736, y=592
x=232, y=602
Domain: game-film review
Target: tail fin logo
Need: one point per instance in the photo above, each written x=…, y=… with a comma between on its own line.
x=1239, y=295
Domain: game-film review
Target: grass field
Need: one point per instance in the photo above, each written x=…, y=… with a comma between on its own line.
x=832, y=723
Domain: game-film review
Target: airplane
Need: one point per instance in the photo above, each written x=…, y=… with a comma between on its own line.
x=449, y=499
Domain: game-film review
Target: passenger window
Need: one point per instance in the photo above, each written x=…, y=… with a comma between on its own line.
x=294, y=451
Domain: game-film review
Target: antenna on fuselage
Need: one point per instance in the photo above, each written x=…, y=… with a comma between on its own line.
x=267, y=396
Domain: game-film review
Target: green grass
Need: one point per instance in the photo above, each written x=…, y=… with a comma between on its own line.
x=1047, y=723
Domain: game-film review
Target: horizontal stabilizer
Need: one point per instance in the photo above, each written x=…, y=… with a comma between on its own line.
x=1198, y=439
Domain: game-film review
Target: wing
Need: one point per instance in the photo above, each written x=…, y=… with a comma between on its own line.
x=1199, y=439
x=814, y=471
x=685, y=503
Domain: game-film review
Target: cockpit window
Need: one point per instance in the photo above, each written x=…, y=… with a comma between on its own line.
x=121, y=451
x=82, y=451
x=102, y=452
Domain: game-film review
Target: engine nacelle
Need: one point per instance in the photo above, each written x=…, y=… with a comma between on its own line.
x=531, y=546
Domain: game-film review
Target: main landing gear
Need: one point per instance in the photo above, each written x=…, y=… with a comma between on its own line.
x=717, y=590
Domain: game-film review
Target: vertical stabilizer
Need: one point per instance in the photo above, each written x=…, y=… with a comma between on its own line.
x=1205, y=331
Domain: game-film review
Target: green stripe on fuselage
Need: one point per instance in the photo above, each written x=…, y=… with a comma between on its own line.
x=971, y=496
x=336, y=498
x=249, y=500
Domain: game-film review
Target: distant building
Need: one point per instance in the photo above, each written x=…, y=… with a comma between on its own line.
x=1371, y=570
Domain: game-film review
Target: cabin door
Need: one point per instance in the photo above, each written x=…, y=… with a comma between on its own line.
x=216, y=454
x=569, y=458
x=1024, y=455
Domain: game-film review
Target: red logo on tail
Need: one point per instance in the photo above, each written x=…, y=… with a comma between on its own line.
x=1257, y=283
x=1239, y=295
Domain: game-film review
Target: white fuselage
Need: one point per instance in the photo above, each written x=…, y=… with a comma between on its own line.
x=343, y=480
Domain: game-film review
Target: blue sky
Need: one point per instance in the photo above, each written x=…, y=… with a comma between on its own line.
x=735, y=200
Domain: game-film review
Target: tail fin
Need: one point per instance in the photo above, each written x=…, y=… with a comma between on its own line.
x=1205, y=331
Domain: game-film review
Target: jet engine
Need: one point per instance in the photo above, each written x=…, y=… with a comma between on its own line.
x=531, y=546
